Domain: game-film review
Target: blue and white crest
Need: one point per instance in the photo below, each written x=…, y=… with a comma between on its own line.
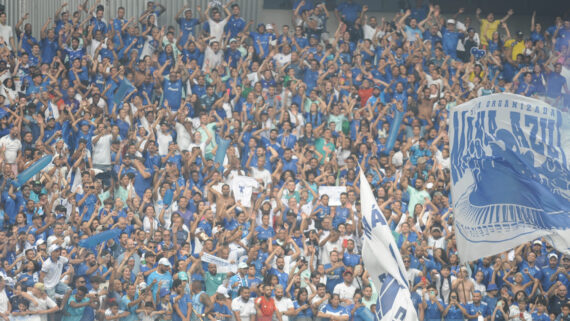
x=478, y=53
x=510, y=176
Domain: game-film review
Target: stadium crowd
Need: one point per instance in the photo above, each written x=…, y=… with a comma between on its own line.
x=189, y=161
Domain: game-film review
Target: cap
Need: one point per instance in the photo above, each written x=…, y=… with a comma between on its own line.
x=451, y=21
x=429, y=185
x=552, y=255
x=222, y=290
x=141, y=286
x=164, y=261
x=268, y=27
x=537, y=242
x=260, y=25
x=520, y=33
x=242, y=265
x=164, y=292
x=492, y=287
x=233, y=40
x=348, y=271
x=183, y=276
x=53, y=247
x=435, y=228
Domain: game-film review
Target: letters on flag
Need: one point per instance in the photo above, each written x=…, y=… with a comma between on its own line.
x=383, y=261
x=509, y=173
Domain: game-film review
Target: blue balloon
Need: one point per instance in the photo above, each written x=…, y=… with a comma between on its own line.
x=223, y=145
x=394, y=129
x=168, y=195
x=93, y=241
x=29, y=172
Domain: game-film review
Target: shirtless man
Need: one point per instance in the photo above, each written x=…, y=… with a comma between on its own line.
x=425, y=108
x=464, y=286
x=223, y=199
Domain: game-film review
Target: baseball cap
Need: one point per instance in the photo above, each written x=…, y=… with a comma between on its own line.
x=492, y=287
x=537, y=242
x=53, y=247
x=451, y=21
x=222, y=290
x=242, y=265
x=552, y=255
x=164, y=261
x=164, y=292
x=268, y=27
x=183, y=276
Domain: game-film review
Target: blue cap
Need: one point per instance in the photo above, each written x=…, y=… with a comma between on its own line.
x=164, y=292
x=83, y=122
x=197, y=277
x=260, y=25
x=492, y=287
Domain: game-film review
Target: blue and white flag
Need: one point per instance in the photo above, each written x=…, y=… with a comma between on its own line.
x=383, y=261
x=509, y=173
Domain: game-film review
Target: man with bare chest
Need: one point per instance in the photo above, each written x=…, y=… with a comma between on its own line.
x=425, y=108
x=464, y=286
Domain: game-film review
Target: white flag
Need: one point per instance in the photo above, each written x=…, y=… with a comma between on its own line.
x=509, y=174
x=383, y=261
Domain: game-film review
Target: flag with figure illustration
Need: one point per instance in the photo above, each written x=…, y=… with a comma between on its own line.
x=383, y=261
x=509, y=174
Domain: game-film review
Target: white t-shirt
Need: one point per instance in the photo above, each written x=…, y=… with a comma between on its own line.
x=183, y=138
x=3, y=302
x=327, y=249
x=263, y=174
x=344, y=291
x=163, y=140
x=102, y=150
x=12, y=147
x=212, y=58
x=283, y=305
x=42, y=305
x=217, y=29
x=514, y=314
x=244, y=309
x=53, y=271
x=6, y=33
x=282, y=59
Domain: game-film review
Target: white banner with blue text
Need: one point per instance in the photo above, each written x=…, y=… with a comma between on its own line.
x=509, y=173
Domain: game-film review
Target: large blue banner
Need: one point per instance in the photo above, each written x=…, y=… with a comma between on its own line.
x=510, y=176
